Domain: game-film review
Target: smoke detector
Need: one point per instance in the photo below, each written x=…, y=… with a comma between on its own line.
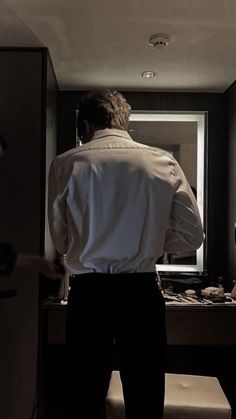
x=159, y=40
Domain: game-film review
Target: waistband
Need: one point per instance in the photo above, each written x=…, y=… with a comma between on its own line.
x=134, y=276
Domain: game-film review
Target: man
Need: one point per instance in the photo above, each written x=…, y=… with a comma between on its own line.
x=115, y=206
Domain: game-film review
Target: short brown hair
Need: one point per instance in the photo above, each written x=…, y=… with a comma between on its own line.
x=105, y=108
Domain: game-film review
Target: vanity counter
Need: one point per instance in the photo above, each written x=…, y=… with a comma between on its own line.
x=193, y=324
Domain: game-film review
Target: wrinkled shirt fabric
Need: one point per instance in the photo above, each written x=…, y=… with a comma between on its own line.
x=115, y=205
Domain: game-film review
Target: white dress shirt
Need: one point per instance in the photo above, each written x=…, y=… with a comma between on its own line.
x=116, y=205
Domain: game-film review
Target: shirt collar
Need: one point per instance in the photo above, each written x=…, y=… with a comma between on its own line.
x=108, y=132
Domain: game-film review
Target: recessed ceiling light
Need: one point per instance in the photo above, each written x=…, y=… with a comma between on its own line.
x=149, y=74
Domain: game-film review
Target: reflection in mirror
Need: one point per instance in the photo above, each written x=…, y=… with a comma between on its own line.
x=183, y=135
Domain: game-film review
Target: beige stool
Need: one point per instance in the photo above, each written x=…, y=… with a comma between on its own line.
x=186, y=397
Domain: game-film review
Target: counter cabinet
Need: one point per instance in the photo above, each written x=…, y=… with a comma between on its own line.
x=186, y=324
x=201, y=341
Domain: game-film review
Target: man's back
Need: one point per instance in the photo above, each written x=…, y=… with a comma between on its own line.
x=118, y=197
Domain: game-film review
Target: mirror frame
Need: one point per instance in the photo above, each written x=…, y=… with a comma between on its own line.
x=201, y=119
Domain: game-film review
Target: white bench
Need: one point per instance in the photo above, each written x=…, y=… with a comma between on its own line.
x=186, y=397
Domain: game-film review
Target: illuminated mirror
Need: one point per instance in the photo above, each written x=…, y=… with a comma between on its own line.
x=182, y=134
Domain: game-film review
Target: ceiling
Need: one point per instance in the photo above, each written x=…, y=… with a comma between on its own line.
x=102, y=43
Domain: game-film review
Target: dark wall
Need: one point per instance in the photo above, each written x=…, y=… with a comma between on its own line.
x=231, y=102
x=20, y=169
x=23, y=122
x=215, y=105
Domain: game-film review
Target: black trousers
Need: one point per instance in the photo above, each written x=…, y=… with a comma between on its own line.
x=125, y=309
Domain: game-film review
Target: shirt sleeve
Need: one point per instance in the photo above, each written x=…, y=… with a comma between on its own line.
x=57, y=212
x=8, y=257
x=185, y=230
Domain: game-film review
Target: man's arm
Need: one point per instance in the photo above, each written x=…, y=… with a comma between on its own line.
x=47, y=267
x=10, y=259
x=57, y=212
x=185, y=231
